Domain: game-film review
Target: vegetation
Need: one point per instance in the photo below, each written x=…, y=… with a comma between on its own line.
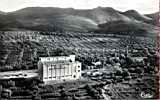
x=105, y=57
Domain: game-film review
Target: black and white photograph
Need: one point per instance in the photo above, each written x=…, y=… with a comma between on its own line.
x=79, y=50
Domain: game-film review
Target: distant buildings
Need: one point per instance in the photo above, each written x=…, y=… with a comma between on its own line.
x=59, y=68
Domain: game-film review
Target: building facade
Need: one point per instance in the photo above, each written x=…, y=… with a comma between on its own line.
x=60, y=68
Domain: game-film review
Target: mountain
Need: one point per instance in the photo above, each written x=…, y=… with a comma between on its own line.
x=154, y=16
x=53, y=19
x=137, y=16
x=100, y=19
x=66, y=19
x=138, y=24
x=128, y=28
x=2, y=12
x=8, y=23
x=102, y=14
x=99, y=14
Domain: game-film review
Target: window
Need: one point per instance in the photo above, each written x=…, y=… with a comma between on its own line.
x=74, y=76
x=78, y=66
x=78, y=70
x=75, y=68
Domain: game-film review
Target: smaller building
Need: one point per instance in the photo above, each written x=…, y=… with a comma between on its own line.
x=59, y=68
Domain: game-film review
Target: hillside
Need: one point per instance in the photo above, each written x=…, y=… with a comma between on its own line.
x=76, y=20
x=128, y=28
x=1, y=12
x=137, y=16
x=154, y=16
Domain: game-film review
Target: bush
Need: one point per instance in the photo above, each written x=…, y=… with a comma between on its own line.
x=127, y=78
x=50, y=95
x=125, y=73
x=108, y=82
x=138, y=70
x=63, y=93
x=118, y=73
x=21, y=93
x=131, y=70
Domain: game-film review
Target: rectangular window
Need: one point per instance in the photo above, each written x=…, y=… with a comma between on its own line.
x=74, y=68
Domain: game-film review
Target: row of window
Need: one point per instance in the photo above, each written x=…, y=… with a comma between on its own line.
x=59, y=77
x=60, y=67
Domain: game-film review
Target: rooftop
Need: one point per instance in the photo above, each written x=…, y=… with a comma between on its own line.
x=58, y=62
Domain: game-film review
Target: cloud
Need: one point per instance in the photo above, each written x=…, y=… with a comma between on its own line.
x=143, y=6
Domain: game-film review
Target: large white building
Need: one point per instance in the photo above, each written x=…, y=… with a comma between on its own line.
x=59, y=68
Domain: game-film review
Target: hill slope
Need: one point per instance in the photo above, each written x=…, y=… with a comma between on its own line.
x=1, y=12
x=154, y=16
x=136, y=28
x=69, y=19
x=137, y=16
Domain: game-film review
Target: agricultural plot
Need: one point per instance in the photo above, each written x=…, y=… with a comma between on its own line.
x=21, y=52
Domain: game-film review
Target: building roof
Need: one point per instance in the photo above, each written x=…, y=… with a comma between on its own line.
x=58, y=62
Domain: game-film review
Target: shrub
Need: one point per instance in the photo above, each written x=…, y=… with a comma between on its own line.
x=50, y=95
x=125, y=73
x=118, y=72
x=21, y=93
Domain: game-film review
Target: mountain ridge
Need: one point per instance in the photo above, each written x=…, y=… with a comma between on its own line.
x=69, y=19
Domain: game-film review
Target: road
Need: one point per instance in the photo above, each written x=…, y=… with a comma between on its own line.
x=18, y=74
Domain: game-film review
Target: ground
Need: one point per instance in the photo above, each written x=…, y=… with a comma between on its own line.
x=20, y=51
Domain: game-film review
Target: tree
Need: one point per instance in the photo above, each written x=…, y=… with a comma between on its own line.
x=36, y=96
x=129, y=61
x=125, y=73
x=1, y=88
x=61, y=87
x=99, y=91
x=138, y=70
x=63, y=93
x=11, y=83
x=108, y=82
x=118, y=72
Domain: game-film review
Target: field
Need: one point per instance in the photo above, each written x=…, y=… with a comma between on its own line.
x=20, y=50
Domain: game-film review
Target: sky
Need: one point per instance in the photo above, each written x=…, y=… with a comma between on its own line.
x=142, y=6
